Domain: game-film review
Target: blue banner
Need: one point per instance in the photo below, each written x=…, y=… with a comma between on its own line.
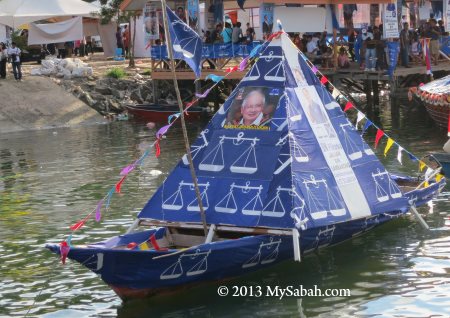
x=187, y=45
x=393, y=48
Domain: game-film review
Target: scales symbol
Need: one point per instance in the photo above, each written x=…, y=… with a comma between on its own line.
x=275, y=207
x=323, y=238
x=253, y=207
x=246, y=163
x=284, y=159
x=318, y=210
x=200, y=260
x=253, y=75
x=175, y=201
x=270, y=251
x=352, y=150
x=299, y=153
x=382, y=192
x=276, y=73
x=196, y=149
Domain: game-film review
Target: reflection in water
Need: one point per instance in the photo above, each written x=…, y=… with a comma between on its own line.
x=50, y=179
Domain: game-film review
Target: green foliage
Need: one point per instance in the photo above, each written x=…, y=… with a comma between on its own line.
x=116, y=72
x=20, y=41
x=147, y=72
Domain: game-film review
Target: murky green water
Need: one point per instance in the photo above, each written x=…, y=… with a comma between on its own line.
x=51, y=179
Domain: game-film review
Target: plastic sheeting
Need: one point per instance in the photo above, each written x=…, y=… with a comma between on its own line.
x=69, y=30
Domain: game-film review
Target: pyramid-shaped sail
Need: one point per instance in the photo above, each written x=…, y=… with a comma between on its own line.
x=279, y=153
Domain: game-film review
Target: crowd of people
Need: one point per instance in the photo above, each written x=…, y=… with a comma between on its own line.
x=230, y=34
x=123, y=40
x=368, y=47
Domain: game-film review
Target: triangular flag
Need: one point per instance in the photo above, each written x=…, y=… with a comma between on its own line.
x=324, y=80
x=412, y=157
x=98, y=211
x=157, y=148
x=232, y=69
x=144, y=246
x=119, y=184
x=380, y=134
x=78, y=225
x=335, y=93
x=359, y=117
x=348, y=106
x=389, y=144
x=399, y=155
x=366, y=126
x=314, y=69
x=426, y=184
x=439, y=177
x=421, y=165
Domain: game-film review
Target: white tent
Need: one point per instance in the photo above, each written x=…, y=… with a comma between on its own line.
x=17, y=12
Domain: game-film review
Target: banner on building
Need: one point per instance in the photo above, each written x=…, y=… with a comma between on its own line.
x=447, y=15
x=193, y=15
x=218, y=11
x=393, y=49
x=266, y=15
x=151, y=23
x=390, y=20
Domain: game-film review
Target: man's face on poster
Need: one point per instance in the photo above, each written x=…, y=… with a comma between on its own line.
x=252, y=107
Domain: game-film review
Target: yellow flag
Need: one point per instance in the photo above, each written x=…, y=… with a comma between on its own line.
x=426, y=184
x=143, y=246
x=421, y=165
x=389, y=144
x=438, y=177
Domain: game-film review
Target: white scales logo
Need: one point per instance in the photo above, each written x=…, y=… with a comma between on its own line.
x=382, y=192
x=198, y=262
x=176, y=202
x=267, y=253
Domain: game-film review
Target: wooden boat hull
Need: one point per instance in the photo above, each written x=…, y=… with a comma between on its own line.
x=160, y=113
x=134, y=273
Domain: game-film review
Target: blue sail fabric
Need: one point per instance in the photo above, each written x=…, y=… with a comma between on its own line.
x=187, y=44
x=279, y=153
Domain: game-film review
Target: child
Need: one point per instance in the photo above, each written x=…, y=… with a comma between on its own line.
x=415, y=51
x=343, y=61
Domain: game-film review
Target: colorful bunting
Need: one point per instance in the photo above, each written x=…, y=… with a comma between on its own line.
x=389, y=144
x=163, y=131
x=335, y=93
x=80, y=224
x=125, y=171
x=232, y=69
x=214, y=78
x=378, y=136
x=155, y=243
x=157, y=149
x=412, y=157
x=243, y=64
x=439, y=177
x=399, y=155
x=205, y=93
x=255, y=50
x=174, y=117
x=314, y=69
x=348, y=106
x=426, y=184
x=421, y=165
x=280, y=26
x=63, y=251
x=359, y=117
x=324, y=80
x=98, y=212
x=366, y=126
x=108, y=198
x=119, y=184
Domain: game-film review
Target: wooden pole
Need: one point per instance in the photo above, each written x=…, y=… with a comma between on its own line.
x=183, y=122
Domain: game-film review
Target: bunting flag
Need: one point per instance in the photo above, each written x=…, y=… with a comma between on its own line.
x=162, y=131
x=412, y=157
x=125, y=171
x=380, y=134
x=80, y=224
x=232, y=69
x=335, y=93
x=348, y=106
x=421, y=165
x=241, y=4
x=426, y=184
x=214, y=78
x=119, y=184
x=324, y=80
x=439, y=177
x=243, y=64
x=157, y=149
x=255, y=50
x=144, y=246
x=155, y=243
x=399, y=155
x=98, y=211
x=174, y=117
x=205, y=93
x=426, y=54
x=187, y=44
x=314, y=69
x=389, y=144
x=359, y=117
x=108, y=198
x=366, y=126
x=63, y=251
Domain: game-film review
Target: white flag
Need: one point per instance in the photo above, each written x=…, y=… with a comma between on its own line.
x=335, y=93
x=399, y=155
x=360, y=117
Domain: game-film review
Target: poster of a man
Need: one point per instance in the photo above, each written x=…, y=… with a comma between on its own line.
x=313, y=107
x=193, y=8
x=252, y=107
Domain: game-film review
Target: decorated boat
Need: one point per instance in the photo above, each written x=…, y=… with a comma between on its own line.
x=302, y=177
x=436, y=98
x=159, y=113
x=280, y=172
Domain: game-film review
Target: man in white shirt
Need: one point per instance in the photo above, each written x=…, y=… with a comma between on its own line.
x=14, y=54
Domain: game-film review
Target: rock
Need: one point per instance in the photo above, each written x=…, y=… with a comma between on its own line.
x=87, y=99
x=136, y=96
x=103, y=90
x=98, y=97
x=118, y=94
x=115, y=106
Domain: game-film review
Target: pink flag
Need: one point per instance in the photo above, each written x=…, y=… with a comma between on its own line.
x=157, y=149
x=324, y=80
x=80, y=224
x=232, y=69
x=63, y=251
x=314, y=69
x=243, y=64
x=380, y=134
x=163, y=131
x=127, y=169
x=205, y=93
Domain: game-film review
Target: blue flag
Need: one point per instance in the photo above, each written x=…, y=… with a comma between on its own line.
x=187, y=44
x=393, y=48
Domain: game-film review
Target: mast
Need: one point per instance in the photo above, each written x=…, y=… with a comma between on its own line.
x=183, y=123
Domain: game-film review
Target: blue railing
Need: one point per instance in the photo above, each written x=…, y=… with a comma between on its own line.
x=210, y=51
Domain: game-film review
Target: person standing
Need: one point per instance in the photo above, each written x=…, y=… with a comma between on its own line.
x=405, y=42
x=237, y=33
x=251, y=30
x=3, y=58
x=227, y=33
x=434, y=34
x=119, y=39
x=126, y=39
x=371, y=51
x=14, y=53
